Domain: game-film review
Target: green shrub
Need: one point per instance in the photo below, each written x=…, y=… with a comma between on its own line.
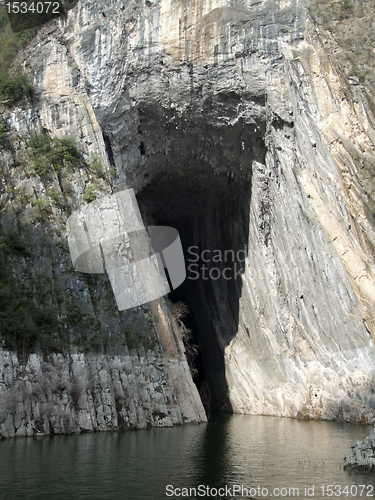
x=347, y=8
x=30, y=312
x=67, y=187
x=14, y=88
x=25, y=326
x=89, y=194
x=12, y=242
x=55, y=196
x=66, y=150
x=52, y=152
x=4, y=140
x=24, y=199
x=356, y=155
x=73, y=312
x=29, y=320
x=347, y=5
x=42, y=204
x=134, y=340
x=40, y=151
x=95, y=165
x=44, y=209
x=17, y=326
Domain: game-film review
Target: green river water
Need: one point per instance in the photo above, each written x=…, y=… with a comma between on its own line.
x=269, y=455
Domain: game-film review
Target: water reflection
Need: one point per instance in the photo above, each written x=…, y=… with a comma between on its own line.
x=230, y=449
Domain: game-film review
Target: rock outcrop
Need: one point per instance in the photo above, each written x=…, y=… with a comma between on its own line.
x=77, y=392
x=362, y=456
x=233, y=123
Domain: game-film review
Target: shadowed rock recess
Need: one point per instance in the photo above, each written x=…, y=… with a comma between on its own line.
x=234, y=123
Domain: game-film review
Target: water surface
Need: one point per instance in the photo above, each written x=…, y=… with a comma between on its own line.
x=252, y=451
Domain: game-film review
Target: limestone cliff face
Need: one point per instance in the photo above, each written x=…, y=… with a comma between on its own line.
x=79, y=392
x=233, y=122
x=95, y=368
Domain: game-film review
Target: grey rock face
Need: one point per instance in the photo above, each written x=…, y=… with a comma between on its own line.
x=231, y=122
x=125, y=388
x=80, y=393
x=362, y=456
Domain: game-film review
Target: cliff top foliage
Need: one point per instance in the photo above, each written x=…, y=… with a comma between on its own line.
x=13, y=84
x=11, y=43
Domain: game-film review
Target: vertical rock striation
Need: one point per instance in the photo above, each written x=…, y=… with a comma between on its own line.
x=233, y=122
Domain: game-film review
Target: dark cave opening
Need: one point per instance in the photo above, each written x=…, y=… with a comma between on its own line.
x=211, y=216
x=108, y=148
x=194, y=173
x=196, y=361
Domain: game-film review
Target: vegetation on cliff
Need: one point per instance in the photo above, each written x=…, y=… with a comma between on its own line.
x=14, y=85
x=40, y=311
x=52, y=152
x=38, y=315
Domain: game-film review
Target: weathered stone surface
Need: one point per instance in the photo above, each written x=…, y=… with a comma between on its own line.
x=362, y=456
x=233, y=124
x=76, y=392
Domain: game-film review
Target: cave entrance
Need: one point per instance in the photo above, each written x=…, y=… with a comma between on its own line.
x=193, y=171
x=211, y=214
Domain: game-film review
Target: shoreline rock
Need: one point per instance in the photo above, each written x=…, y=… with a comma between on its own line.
x=362, y=456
